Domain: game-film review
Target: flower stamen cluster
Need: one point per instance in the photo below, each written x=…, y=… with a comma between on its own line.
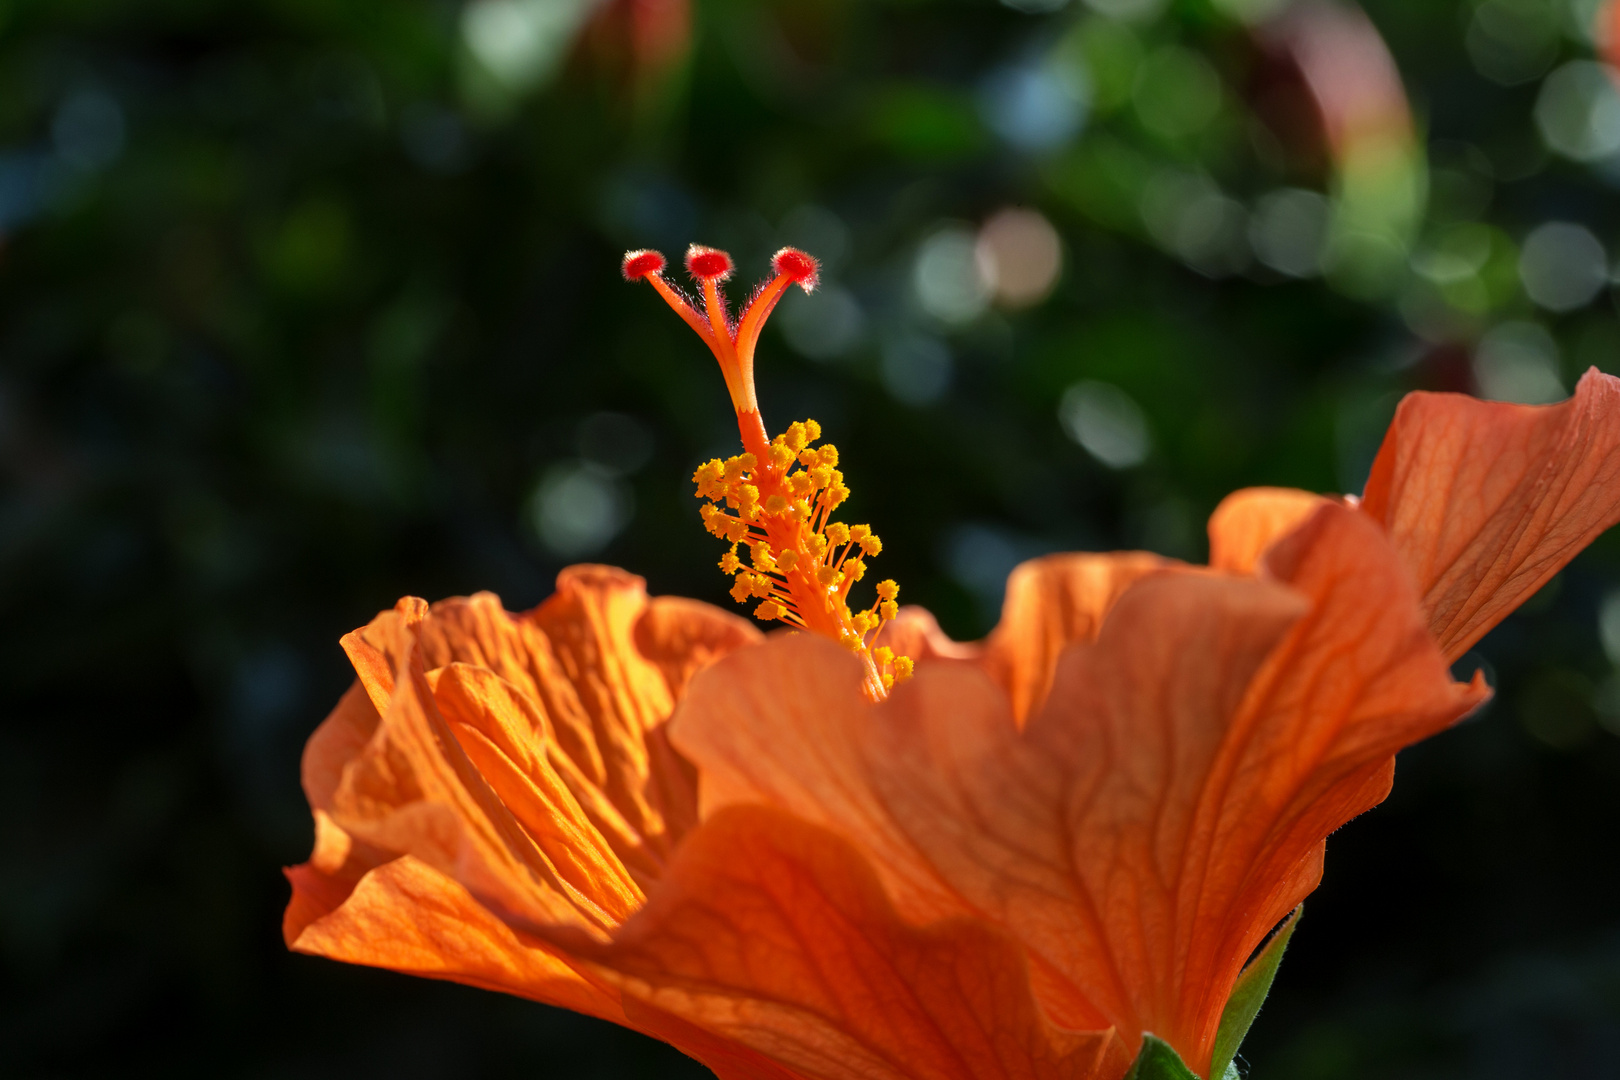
x=801, y=564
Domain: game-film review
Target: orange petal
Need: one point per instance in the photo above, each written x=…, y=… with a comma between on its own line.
x=1242, y=818
x=776, y=935
x=406, y=916
x=1051, y=603
x=502, y=734
x=1247, y=522
x=1160, y=814
x=414, y=791
x=577, y=658
x=1485, y=501
x=593, y=702
x=789, y=725
x=499, y=767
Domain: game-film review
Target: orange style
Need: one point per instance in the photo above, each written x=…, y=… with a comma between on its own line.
x=1022, y=861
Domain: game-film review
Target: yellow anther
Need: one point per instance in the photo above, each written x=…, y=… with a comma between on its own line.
x=777, y=504
x=854, y=569
x=835, y=495
x=858, y=533
x=812, y=430
x=762, y=557
x=864, y=622
x=736, y=531
x=797, y=436
x=818, y=545
x=770, y=609
x=888, y=589
x=781, y=455
x=902, y=668
x=743, y=587
x=801, y=509
x=888, y=680
x=883, y=656
x=829, y=455
x=809, y=458
x=828, y=576
x=838, y=533
x=821, y=476
x=786, y=559
x=729, y=563
x=763, y=586
x=888, y=609
x=871, y=545
x=801, y=484
x=708, y=478
x=747, y=500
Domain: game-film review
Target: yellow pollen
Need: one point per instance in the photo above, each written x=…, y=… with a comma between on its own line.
x=777, y=504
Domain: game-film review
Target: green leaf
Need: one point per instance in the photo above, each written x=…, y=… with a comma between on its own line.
x=1247, y=997
x=1158, y=1061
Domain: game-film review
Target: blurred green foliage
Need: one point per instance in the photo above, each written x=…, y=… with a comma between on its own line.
x=305, y=306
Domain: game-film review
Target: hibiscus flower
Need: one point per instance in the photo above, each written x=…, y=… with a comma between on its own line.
x=860, y=850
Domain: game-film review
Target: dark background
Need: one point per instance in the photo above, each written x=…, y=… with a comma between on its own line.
x=307, y=304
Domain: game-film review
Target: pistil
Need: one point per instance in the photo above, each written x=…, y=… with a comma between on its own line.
x=777, y=498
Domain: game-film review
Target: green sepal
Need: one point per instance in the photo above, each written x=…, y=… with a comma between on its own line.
x=1247, y=997
x=1158, y=1061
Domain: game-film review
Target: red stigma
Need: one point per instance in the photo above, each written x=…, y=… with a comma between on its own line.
x=638, y=264
x=797, y=267
x=705, y=263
